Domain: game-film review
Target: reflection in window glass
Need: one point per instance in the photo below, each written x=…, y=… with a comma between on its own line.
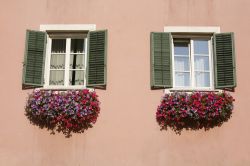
x=201, y=63
x=182, y=64
x=200, y=47
x=191, y=67
x=181, y=49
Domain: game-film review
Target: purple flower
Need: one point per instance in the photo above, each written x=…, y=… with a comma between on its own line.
x=59, y=108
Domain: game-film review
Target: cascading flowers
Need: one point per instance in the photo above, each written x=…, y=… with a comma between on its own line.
x=196, y=110
x=74, y=110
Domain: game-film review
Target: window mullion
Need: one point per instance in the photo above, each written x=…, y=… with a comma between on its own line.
x=192, y=72
x=47, y=61
x=85, y=59
x=173, y=60
x=210, y=63
x=67, y=61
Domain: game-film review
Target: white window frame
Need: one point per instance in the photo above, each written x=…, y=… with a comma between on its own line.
x=189, y=33
x=69, y=28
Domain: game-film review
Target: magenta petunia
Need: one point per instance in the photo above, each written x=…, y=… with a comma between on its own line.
x=200, y=109
x=68, y=111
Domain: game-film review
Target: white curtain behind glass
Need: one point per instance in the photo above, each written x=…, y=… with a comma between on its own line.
x=201, y=63
x=77, y=56
x=182, y=64
x=57, y=62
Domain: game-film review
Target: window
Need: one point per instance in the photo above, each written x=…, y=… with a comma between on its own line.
x=192, y=63
x=66, y=61
x=65, y=57
x=192, y=58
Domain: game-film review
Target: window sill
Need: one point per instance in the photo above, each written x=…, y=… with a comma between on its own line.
x=190, y=90
x=60, y=88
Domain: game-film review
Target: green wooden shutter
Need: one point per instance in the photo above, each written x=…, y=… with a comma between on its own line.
x=97, y=52
x=224, y=61
x=33, y=66
x=161, y=60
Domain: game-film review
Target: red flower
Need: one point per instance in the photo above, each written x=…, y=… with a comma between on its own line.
x=199, y=108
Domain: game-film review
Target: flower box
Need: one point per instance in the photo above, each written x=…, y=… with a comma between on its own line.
x=194, y=111
x=67, y=111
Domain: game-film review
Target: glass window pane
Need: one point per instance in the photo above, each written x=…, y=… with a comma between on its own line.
x=58, y=46
x=200, y=46
x=202, y=79
x=56, y=77
x=76, y=61
x=182, y=79
x=57, y=61
x=76, y=77
x=201, y=63
x=181, y=49
x=181, y=63
x=77, y=46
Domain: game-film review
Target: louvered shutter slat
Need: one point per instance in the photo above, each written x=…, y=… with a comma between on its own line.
x=34, y=58
x=161, y=64
x=224, y=61
x=97, y=50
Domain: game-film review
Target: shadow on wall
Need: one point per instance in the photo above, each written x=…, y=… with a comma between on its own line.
x=188, y=124
x=53, y=128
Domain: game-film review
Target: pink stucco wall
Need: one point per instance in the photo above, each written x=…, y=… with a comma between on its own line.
x=126, y=133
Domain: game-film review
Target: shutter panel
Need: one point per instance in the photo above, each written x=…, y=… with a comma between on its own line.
x=224, y=61
x=97, y=51
x=33, y=67
x=161, y=60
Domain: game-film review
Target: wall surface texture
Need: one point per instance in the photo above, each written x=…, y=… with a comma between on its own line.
x=126, y=132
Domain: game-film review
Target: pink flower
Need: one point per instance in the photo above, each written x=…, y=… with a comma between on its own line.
x=176, y=108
